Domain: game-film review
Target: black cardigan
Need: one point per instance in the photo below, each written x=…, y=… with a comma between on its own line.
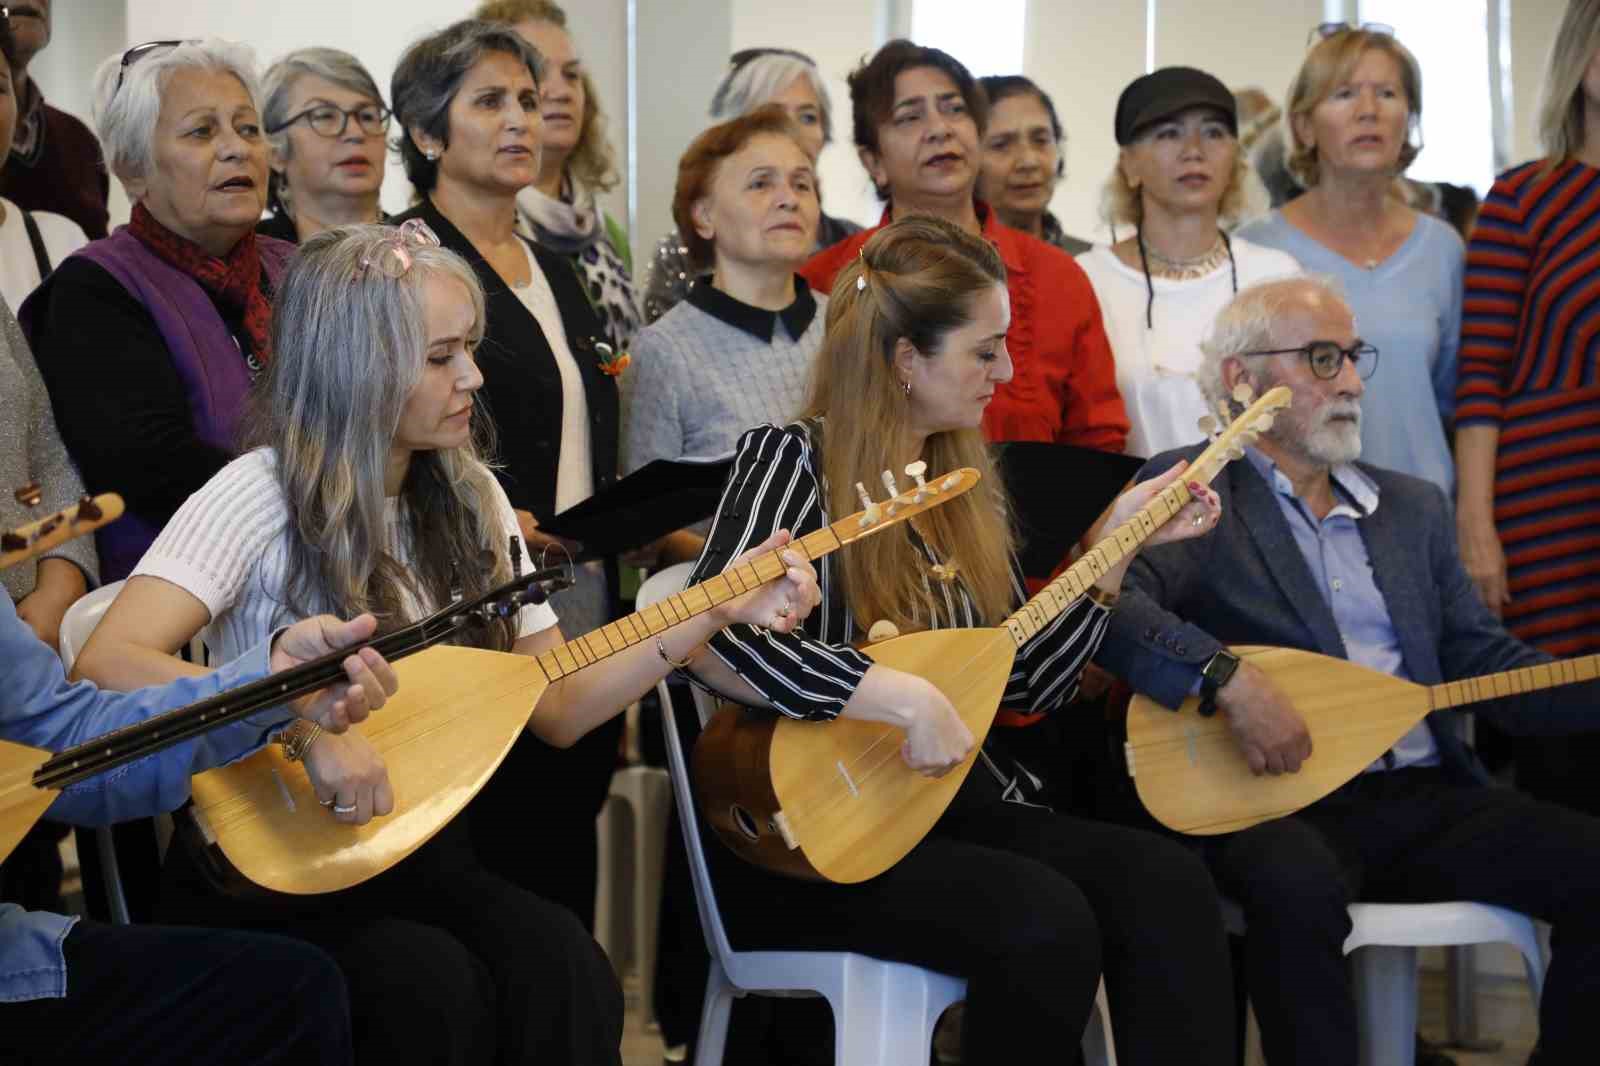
x=521, y=384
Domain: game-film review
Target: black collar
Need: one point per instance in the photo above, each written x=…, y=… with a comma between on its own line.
x=756, y=321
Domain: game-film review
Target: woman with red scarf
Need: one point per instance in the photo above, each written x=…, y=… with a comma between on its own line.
x=149, y=339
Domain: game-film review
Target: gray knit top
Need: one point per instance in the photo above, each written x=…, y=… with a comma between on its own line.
x=713, y=367
x=31, y=450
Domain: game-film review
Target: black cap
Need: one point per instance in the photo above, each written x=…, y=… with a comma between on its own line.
x=1165, y=93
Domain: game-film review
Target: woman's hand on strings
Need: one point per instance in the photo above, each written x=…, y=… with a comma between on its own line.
x=1195, y=519
x=369, y=679
x=783, y=602
x=349, y=778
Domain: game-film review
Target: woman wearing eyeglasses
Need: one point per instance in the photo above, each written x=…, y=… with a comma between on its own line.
x=325, y=123
x=1179, y=180
x=362, y=484
x=1353, y=112
x=756, y=77
x=577, y=163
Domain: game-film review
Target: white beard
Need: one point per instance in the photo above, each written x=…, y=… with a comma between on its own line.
x=1334, y=443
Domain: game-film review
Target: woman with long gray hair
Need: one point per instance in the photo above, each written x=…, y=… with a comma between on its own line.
x=325, y=122
x=363, y=484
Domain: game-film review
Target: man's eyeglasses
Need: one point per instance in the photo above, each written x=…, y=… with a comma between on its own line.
x=136, y=53
x=1327, y=358
x=390, y=256
x=1323, y=30
x=329, y=121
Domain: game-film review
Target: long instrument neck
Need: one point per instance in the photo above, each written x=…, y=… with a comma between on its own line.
x=1514, y=682
x=1122, y=542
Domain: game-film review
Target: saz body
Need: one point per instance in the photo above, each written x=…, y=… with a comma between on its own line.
x=833, y=801
x=1191, y=776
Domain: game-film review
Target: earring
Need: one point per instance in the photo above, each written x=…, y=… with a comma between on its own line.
x=906, y=385
x=431, y=154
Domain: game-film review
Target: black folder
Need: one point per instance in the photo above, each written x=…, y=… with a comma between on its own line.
x=1057, y=491
x=654, y=500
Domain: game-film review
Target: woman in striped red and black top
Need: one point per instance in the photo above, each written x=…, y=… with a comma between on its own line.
x=1528, y=403
x=1029, y=906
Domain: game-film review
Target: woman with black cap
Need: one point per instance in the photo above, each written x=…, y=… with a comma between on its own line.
x=1179, y=180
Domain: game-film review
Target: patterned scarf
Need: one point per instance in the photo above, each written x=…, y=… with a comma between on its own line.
x=234, y=282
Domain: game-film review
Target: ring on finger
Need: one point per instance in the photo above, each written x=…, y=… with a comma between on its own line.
x=341, y=809
x=328, y=802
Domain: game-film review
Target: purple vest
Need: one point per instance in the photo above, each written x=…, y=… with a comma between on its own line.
x=215, y=378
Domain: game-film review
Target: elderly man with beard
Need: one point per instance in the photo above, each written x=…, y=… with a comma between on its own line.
x=1320, y=552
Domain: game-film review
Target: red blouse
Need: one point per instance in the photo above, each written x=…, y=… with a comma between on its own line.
x=1064, y=383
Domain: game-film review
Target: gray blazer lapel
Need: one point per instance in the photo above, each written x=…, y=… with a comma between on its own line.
x=1257, y=507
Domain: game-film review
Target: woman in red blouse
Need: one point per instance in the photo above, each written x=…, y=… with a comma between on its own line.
x=918, y=119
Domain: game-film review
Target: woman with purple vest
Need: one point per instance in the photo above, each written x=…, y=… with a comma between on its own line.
x=149, y=339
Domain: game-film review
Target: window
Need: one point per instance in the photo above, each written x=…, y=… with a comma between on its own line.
x=987, y=43
x=1450, y=39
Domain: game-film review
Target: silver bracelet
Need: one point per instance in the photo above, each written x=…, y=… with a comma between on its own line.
x=676, y=664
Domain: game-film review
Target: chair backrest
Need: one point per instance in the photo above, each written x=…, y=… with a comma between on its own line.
x=658, y=587
x=81, y=618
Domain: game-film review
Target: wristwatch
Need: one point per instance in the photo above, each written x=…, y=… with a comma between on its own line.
x=1217, y=672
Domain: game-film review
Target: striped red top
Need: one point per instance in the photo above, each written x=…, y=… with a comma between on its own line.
x=1530, y=363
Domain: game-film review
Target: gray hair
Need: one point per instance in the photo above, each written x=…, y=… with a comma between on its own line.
x=329, y=64
x=748, y=87
x=1248, y=324
x=126, y=116
x=349, y=345
x=429, y=75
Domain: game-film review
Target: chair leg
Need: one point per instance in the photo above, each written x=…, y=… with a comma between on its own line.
x=1097, y=1050
x=714, y=1018
x=1386, y=1004
x=883, y=1015
x=649, y=858
x=608, y=915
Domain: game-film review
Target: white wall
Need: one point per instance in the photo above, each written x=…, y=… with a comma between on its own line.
x=1082, y=52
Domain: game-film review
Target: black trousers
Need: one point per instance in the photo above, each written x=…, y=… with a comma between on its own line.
x=1031, y=907
x=534, y=822
x=1407, y=836
x=144, y=994
x=446, y=963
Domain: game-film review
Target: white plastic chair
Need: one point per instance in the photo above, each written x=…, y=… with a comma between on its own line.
x=635, y=844
x=1382, y=947
x=884, y=1013
x=76, y=626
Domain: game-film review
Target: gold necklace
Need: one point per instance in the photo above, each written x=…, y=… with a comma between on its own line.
x=1164, y=266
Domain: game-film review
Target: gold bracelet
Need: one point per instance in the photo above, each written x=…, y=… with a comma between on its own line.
x=297, y=738
x=1100, y=597
x=676, y=664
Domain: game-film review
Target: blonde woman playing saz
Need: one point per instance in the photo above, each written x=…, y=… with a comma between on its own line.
x=1029, y=906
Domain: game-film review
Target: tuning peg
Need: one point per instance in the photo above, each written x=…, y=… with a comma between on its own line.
x=1244, y=393
x=1225, y=411
x=917, y=470
x=29, y=495
x=1208, y=425
x=869, y=510
x=1235, y=451
x=950, y=482
x=882, y=629
x=892, y=488
x=1264, y=423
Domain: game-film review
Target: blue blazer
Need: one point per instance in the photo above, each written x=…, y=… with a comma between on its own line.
x=1247, y=583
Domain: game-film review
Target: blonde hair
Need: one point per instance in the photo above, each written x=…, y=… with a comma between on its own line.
x=348, y=346
x=593, y=163
x=1327, y=66
x=1243, y=199
x=921, y=275
x=1561, y=101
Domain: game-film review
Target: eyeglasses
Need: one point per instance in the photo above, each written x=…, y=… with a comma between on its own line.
x=136, y=53
x=1323, y=30
x=389, y=256
x=329, y=121
x=1327, y=358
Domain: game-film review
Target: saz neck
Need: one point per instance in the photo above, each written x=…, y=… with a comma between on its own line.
x=1122, y=542
x=1514, y=682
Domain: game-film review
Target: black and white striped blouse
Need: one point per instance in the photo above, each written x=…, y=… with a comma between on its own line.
x=811, y=673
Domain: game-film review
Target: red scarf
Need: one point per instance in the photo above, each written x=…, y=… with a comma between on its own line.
x=235, y=281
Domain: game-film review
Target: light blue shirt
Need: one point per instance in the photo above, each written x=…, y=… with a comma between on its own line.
x=1337, y=555
x=40, y=708
x=1409, y=305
